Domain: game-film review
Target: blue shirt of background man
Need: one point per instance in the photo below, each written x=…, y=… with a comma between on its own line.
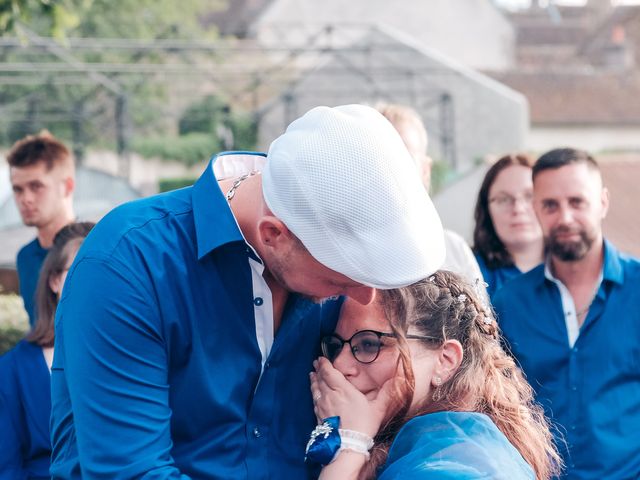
x=592, y=391
x=28, y=263
x=25, y=405
x=157, y=368
x=495, y=278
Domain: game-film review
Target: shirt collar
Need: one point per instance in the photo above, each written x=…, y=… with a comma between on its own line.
x=214, y=222
x=611, y=268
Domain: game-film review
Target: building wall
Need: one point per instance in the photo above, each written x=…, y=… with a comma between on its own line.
x=590, y=138
x=484, y=117
x=456, y=203
x=473, y=32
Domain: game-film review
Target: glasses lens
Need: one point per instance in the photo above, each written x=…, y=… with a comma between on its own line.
x=331, y=347
x=365, y=346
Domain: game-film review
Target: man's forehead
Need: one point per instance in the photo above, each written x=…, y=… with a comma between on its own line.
x=32, y=172
x=574, y=176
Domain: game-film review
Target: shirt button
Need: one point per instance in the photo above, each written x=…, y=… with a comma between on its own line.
x=256, y=432
x=576, y=349
x=573, y=427
x=573, y=388
x=258, y=301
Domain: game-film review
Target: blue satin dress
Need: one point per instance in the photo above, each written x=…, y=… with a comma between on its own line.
x=453, y=445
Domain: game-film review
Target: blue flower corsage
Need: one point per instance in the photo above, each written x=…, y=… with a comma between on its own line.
x=324, y=442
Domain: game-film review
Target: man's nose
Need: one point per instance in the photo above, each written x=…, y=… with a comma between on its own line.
x=566, y=214
x=24, y=197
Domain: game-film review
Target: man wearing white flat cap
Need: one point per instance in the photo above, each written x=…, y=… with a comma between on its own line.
x=187, y=326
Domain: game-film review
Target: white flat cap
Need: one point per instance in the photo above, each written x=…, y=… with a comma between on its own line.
x=343, y=182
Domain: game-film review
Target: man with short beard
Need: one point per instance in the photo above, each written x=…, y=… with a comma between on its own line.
x=574, y=323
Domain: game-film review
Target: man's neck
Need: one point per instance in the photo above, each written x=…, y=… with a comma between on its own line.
x=581, y=272
x=47, y=232
x=246, y=206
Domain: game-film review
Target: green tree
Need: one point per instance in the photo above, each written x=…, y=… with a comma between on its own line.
x=83, y=109
x=55, y=16
x=106, y=18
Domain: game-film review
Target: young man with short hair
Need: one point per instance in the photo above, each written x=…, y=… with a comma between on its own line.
x=42, y=177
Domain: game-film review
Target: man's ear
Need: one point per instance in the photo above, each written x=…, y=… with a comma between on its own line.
x=69, y=185
x=449, y=360
x=604, y=198
x=273, y=233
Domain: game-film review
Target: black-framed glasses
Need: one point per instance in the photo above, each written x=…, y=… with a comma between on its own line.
x=365, y=344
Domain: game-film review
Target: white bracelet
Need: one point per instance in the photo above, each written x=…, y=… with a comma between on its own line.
x=355, y=441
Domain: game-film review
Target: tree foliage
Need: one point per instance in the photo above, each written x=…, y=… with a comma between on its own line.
x=55, y=17
x=107, y=18
x=73, y=103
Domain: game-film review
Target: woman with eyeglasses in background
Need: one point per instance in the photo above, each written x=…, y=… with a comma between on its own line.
x=25, y=382
x=416, y=385
x=507, y=239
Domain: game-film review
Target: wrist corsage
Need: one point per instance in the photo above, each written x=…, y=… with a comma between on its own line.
x=328, y=440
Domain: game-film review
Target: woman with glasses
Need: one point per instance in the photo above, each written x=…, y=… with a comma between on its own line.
x=507, y=239
x=416, y=385
x=25, y=383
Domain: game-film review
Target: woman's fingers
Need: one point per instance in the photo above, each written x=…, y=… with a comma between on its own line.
x=329, y=376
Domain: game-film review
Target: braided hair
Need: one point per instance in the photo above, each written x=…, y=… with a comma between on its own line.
x=487, y=381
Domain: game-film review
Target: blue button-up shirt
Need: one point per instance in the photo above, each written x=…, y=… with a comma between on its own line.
x=157, y=370
x=591, y=391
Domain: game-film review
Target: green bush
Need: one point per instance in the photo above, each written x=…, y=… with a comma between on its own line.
x=441, y=174
x=167, y=184
x=189, y=149
x=245, y=132
x=203, y=116
x=213, y=116
x=14, y=322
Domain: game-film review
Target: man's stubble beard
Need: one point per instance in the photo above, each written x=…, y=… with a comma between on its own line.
x=569, y=251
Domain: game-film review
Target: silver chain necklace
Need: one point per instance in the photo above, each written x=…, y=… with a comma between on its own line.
x=586, y=309
x=236, y=183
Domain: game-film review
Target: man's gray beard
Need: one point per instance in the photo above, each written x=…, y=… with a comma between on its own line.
x=569, y=251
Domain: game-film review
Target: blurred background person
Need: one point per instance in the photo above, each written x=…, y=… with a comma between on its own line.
x=507, y=239
x=409, y=125
x=42, y=176
x=573, y=323
x=25, y=398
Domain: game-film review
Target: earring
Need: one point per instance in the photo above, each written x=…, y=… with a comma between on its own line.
x=437, y=381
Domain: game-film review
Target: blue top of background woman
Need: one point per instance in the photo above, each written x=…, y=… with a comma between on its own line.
x=25, y=389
